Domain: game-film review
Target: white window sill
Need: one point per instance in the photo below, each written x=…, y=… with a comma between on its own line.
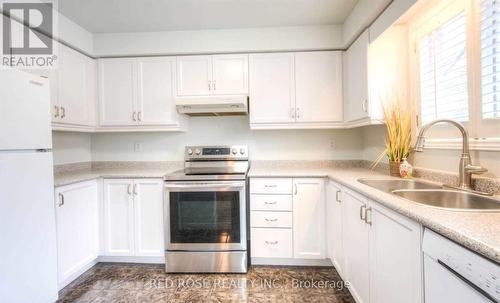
x=483, y=144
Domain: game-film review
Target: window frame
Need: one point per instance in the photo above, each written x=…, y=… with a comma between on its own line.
x=484, y=133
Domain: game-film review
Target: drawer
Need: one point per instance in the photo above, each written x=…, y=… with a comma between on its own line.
x=271, y=185
x=271, y=243
x=271, y=202
x=280, y=219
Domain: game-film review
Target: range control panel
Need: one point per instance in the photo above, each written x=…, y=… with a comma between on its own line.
x=225, y=152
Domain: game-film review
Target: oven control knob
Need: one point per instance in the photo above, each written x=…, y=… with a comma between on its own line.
x=234, y=151
x=190, y=151
x=242, y=151
x=197, y=151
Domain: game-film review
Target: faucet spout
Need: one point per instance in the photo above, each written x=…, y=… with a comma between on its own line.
x=465, y=169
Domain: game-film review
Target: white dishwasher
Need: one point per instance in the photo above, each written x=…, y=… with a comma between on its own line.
x=455, y=274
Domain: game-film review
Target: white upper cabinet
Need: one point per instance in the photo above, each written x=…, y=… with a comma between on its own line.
x=73, y=89
x=212, y=75
x=318, y=86
x=155, y=104
x=296, y=90
x=117, y=92
x=308, y=218
x=356, y=79
x=230, y=74
x=138, y=92
x=194, y=75
x=272, y=88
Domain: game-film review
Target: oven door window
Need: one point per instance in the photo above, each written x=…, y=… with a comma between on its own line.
x=205, y=217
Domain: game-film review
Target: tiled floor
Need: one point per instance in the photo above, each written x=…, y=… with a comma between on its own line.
x=107, y=282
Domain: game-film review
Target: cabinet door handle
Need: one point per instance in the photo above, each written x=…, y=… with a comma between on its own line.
x=270, y=185
x=292, y=113
x=362, y=212
x=364, y=105
x=134, y=118
x=139, y=116
x=368, y=221
x=271, y=220
x=295, y=189
x=129, y=192
x=61, y=199
x=135, y=189
x=271, y=242
x=214, y=85
x=209, y=85
x=337, y=196
x=57, y=111
x=271, y=203
x=298, y=113
x=63, y=112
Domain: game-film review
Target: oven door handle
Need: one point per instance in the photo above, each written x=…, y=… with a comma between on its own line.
x=198, y=186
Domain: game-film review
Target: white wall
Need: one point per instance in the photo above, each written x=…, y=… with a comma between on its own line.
x=446, y=160
x=71, y=147
x=263, y=145
x=219, y=41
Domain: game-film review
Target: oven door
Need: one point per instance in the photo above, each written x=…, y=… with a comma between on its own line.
x=205, y=216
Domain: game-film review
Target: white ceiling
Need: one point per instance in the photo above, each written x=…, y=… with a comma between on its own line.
x=109, y=16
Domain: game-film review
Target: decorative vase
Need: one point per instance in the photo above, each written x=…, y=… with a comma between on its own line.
x=405, y=169
x=394, y=168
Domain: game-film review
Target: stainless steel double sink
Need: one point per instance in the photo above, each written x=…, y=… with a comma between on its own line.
x=434, y=195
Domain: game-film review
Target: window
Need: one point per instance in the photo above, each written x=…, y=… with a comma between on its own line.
x=443, y=72
x=490, y=58
x=455, y=66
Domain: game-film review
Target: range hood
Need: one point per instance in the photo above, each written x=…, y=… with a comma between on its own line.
x=212, y=105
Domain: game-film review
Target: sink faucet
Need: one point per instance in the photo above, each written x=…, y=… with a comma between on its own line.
x=465, y=169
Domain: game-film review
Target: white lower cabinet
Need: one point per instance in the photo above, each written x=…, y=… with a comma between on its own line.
x=287, y=219
x=355, y=236
x=395, y=257
x=379, y=252
x=133, y=222
x=334, y=226
x=77, y=221
x=309, y=218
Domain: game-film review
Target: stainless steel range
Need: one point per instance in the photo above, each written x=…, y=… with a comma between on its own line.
x=205, y=211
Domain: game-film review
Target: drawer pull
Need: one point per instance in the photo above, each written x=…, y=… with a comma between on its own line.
x=270, y=185
x=271, y=203
x=271, y=242
x=271, y=220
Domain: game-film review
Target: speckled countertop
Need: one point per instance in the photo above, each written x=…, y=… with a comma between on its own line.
x=87, y=171
x=478, y=231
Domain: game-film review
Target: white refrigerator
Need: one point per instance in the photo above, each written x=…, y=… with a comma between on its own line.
x=28, y=260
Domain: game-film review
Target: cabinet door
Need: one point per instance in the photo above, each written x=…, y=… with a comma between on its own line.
x=396, y=256
x=156, y=104
x=74, y=107
x=272, y=88
x=148, y=209
x=194, y=75
x=356, y=79
x=230, y=74
x=309, y=218
x=91, y=95
x=334, y=226
x=77, y=228
x=117, y=91
x=318, y=86
x=355, y=236
x=118, y=217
